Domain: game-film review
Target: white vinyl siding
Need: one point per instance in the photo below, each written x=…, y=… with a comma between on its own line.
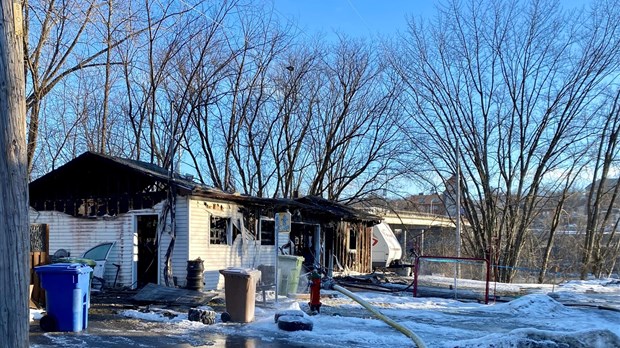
x=192, y=240
x=180, y=253
x=77, y=235
x=244, y=253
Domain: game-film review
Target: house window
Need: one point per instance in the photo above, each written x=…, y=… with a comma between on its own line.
x=249, y=221
x=267, y=232
x=352, y=239
x=235, y=230
x=219, y=230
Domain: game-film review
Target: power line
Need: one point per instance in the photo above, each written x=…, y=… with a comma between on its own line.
x=359, y=15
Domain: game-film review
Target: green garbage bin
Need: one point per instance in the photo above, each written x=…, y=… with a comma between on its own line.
x=87, y=262
x=289, y=269
x=83, y=261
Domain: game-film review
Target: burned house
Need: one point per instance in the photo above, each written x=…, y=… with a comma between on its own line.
x=159, y=221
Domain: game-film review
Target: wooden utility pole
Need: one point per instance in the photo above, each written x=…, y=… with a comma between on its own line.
x=14, y=231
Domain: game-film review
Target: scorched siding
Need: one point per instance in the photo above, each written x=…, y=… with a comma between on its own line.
x=244, y=252
x=77, y=235
x=180, y=253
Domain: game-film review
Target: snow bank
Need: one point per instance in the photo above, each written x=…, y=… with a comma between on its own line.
x=155, y=315
x=544, y=339
x=532, y=305
x=605, y=285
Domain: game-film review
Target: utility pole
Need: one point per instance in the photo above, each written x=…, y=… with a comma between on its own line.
x=14, y=231
x=458, y=200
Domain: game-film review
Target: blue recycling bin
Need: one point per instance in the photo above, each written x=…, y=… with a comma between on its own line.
x=67, y=296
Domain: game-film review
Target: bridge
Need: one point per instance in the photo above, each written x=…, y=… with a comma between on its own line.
x=413, y=219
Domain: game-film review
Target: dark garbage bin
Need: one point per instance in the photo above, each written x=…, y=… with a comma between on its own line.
x=195, y=269
x=240, y=293
x=67, y=299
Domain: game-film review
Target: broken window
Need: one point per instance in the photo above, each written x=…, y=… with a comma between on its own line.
x=236, y=230
x=219, y=230
x=352, y=239
x=267, y=232
x=249, y=221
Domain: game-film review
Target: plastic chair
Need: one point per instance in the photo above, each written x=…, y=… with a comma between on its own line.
x=58, y=254
x=267, y=280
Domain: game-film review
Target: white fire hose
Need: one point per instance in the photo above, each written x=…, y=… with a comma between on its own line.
x=379, y=315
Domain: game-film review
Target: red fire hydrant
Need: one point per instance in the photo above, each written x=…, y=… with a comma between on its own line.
x=315, y=292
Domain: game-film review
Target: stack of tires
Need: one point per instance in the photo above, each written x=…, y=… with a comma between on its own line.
x=204, y=316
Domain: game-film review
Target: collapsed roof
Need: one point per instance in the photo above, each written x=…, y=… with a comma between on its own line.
x=94, y=184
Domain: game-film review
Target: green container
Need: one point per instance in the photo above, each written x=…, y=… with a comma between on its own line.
x=289, y=269
x=87, y=262
x=83, y=261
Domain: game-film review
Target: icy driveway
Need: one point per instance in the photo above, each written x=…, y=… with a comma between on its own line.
x=535, y=320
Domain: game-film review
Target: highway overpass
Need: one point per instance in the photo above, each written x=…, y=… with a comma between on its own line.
x=412, y=219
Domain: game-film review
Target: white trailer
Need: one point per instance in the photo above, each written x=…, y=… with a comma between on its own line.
x=385, y=247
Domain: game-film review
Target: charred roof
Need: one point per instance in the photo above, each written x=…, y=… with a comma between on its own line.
x=94, y=184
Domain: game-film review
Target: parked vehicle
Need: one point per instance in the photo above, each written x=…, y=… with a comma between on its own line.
x=386, y=249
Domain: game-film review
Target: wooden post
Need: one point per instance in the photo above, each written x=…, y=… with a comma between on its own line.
x=14, y=230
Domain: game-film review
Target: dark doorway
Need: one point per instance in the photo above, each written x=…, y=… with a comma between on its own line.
x=147, y=249
x=302, y=240
x=329, y=235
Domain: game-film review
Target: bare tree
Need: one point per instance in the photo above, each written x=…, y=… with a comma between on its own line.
x=298, y=81
x=63, y=37
x=179, y=92
x=512, y=83
x=229, y=108
x=143, y=77
x=601, y=238
x=108, y=72
x=353, y=140
x=558, y=218
x=259, y=102
x=60, y=135
x=258, y=116
x=49, y=52
x=195, y=86
x=14, y=231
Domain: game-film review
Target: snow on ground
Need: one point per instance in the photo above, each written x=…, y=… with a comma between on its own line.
x=36, y=314
x=534, y=320
x=602, y=292
x=598, y=285
x=443, y=281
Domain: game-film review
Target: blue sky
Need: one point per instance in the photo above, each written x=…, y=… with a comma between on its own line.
x=361, y=18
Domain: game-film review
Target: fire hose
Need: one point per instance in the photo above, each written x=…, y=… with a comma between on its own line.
x=418, y=342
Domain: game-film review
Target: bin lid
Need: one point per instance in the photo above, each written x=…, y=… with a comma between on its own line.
x=88, y=262
x=290, y=257
x=74, y=268
x=248, y=272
